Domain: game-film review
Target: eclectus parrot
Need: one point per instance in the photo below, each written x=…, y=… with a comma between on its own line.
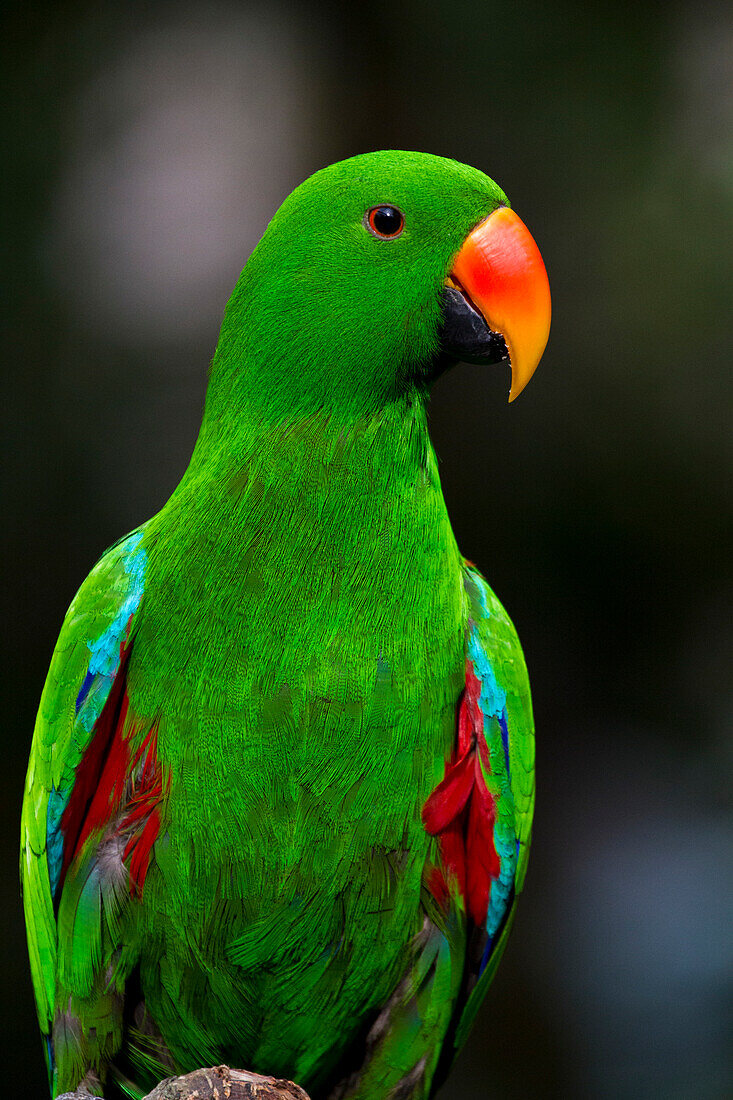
x=279, y=798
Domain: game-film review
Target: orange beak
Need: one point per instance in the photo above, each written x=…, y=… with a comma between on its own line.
x=500, y=270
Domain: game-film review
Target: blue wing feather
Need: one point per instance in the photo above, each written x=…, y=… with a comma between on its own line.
x=83, y=668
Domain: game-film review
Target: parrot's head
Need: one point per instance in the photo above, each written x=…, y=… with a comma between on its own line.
x=375, y=274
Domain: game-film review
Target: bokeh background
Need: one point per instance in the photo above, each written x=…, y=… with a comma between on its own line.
x=146, y=146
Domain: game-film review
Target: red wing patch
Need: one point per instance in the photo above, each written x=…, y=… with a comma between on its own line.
x=99, y=782
x=461, y=811
x=142, y=819
x=111, y=782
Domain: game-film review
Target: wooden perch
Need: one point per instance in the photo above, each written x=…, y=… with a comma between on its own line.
x=222, y=1083
x=218, y=1083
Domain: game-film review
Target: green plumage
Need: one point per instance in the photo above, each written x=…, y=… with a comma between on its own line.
x=296, y=641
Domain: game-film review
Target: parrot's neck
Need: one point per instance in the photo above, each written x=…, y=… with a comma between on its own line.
x=338, y=504
x=334, y=470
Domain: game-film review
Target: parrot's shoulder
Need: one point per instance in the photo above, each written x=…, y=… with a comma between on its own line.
x=84, y=666
x=494, y=649
x=491, y=624
x=87, y=654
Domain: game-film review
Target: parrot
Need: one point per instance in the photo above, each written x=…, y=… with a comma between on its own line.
x=278, y=805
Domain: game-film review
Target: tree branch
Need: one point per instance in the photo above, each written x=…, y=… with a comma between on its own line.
x=217, y=1083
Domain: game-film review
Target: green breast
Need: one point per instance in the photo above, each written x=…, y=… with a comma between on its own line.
x=302, y=642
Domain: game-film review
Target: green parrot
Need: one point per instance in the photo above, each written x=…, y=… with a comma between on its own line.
x=278, y=805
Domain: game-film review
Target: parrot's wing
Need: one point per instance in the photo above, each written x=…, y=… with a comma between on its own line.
x=481, y=816
x=84, y=691
x=482, y=810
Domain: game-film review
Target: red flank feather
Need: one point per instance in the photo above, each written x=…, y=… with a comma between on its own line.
x=142, y=811
x=461, y=811
x=100, y=777
x=101, y=781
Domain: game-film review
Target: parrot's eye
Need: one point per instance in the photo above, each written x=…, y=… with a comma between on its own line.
x=385, y=221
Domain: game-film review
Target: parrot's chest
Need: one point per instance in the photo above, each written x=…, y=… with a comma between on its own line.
x=336, y=732
x=297, y=822
x=331, y=683
x=308, y=738
x=294, y=815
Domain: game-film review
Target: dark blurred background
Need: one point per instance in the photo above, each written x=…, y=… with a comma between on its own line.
x=146, y=147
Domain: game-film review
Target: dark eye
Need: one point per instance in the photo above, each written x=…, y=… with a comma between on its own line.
x=385, y=221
